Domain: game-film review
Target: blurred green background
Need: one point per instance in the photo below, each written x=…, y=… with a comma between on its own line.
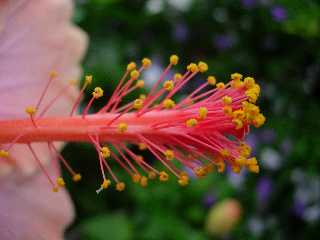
x=277, y=42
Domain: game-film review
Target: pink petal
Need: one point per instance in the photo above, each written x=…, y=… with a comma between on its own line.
x=36, y=37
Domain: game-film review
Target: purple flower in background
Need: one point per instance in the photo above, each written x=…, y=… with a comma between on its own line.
x=264, y=188
x=248, y=3
x=298, y=208
x=268, y=136
x=286, y=146
x=209, y=200
x=224, y=41
x=278, y=13
x=180, y=32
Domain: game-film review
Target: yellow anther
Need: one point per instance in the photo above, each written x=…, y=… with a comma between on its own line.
x=183, y=180
x=168, y=85
x=200, y=172
x=251, y=161
x=236, y=76
x=163, y=176
x=144, y=181
x=140, y=83
x=60, y=182
x=237, y=84
x=236, y=169
x=55, y=189
x=146, y=62
x=203, y=111
x=239, y=114
x=237, y=123
x=31, y=110
x=203, y=67
x=88, y=79
x=122, y=127
x=136, y=177
x=259, y=120
x=220, y=85
x=105, y=152
x=138, y=104
x=254, y=168
x=134, y=74
x=169, y=154
x=245, y=150
x=177, y=76
x=241, y=161
x=142, y=96
x=76, y=177
x=120, y=186
x=249, y=82
x=152, y=175
x=227, y=110
x=224, y=153
x=192, y=67
x=212, y=80
x=168, y=103
x=252, y=96
x=174, y=59
x=53, y=74
x=131, y=66
x=98, y=92
x=227, y=100
x=191, y=122
x=106, y=183
x=221, y=166
x=4, y=153
x=142, y=146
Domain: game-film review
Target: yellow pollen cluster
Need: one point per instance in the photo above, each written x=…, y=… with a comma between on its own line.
x=131, y=66
x=53, y=74
x=97, y=93
x=251, y=164
x=227, y=100
x=140, y=83
x=200, y=172
x=203, y=67
x=177, y=76
x=88, y=79
x=224, y=153
x=4, y=154
x=106, y=183
x=136, y=177
x=134, y=74
x=152, y=175
x=138, y=104
x=31, y=110
x=212, y=80
x=192, y=67
x=183, y=179
x=221, y=166
x=144, y=181
x=122, y=127
x=76, y=177
x=237, y=123
x=203, y=111
x=142, y=146
x=120, y=186
x=220, y=85
x=146, y=63
x=142, y=96
x=169, y=154
x=105, y=152
x=168, y=103
x=174, y=59
x=163, y=176
x=60, y=182
x=168, y=85
x=236, y=76
x=191, y=122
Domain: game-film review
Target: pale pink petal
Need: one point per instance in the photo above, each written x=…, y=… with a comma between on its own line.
x=36, y=37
